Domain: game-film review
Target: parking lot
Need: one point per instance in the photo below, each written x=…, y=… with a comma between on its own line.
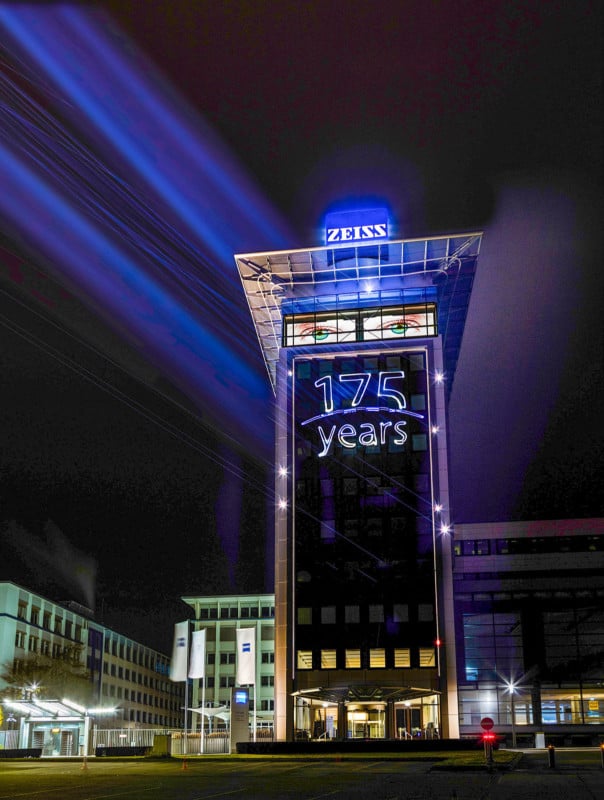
x=578, y=776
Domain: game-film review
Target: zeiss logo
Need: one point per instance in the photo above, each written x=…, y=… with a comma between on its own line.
x=246, y=647
x=356, y=233
x=356, y=226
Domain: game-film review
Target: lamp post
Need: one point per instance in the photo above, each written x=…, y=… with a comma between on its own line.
x=511, y=688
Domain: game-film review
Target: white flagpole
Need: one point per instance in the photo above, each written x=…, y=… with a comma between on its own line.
x=203, y=718
x=185, y=725
x=256, y=673
x=254, y=712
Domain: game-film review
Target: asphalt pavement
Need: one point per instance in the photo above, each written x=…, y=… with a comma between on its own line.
x=578, y=776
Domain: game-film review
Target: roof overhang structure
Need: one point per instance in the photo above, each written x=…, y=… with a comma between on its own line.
x=58, y=710
x=363, y=694
x=338, y=277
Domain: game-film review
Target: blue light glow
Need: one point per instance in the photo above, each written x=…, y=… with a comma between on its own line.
x=146, y=235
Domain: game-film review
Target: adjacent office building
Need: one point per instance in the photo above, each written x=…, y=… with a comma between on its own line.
x=221, y=616
x=99, y=668
x=361, y=339
x=529, y=607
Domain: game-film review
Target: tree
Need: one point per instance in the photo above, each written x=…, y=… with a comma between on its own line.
x=44, y=676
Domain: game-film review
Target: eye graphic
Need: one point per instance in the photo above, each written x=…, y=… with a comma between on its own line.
x=400, y=326
x=317, y=332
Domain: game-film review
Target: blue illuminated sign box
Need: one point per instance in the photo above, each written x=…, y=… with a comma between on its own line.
x=368, y=225
x=241, y=697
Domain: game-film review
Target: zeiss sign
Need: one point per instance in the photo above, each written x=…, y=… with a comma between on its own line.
x=356, y=226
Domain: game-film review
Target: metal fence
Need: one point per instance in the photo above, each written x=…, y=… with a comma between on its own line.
x=125, y=737
x=9, y=740
x=214, y=742
x=191, y=744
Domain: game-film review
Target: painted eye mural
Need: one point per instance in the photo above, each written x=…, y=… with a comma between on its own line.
x=310, y=329
x=399, y=322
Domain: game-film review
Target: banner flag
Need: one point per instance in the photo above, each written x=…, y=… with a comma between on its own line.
x=198, y=654
x=246, y=656
x=180, y=652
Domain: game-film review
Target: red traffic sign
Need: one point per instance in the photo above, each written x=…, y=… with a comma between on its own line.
x=486, y=723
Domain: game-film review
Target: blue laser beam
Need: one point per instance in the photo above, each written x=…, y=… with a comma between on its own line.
x=172, y=287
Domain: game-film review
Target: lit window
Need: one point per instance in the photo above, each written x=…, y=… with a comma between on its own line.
x=376, y=613
x=328, y=659
x=305, y=616
x=377, y=658
x=402, y=657
x=400, y=612
x=352, y=614
x=304, y=659
x=427, y=657
x=353, y=659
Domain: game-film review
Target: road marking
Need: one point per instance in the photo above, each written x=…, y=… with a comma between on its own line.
x=366, y=766
x=327, y=794
x=39, y=791
x=219, y=794
x=122, y=794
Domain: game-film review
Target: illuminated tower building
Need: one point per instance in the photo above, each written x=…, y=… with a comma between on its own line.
x=361, y=339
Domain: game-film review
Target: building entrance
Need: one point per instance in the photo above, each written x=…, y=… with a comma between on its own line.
x=367, y=723
x=324, y=714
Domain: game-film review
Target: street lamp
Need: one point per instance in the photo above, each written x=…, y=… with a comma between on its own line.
x=29, y=690
x=511, y=689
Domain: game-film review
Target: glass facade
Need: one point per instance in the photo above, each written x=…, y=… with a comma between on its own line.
x=364, y=549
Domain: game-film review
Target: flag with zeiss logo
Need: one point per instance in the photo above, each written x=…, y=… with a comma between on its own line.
x=180, y=652
x=198, y=654
x=246, y=656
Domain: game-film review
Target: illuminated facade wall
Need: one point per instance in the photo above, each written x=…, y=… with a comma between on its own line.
x=366, y=589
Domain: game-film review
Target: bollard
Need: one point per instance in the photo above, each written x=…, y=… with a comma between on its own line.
x=551, y=756
x=602, y=754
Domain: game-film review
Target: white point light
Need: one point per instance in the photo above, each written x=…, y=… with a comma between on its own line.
x=282, y=504
x=438, y=377
x=282, y=472
x=435, y=429
x=445, y=529
x=438, y=508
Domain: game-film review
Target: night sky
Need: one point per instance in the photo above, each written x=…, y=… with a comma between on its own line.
x=124, y=487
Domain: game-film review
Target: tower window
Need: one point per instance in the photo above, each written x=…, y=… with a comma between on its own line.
x=328, y=659
x=402, y=657
x=304, y=659
x=353, y=659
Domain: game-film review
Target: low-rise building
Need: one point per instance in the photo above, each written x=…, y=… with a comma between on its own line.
x=221, y=616
x=99, y=666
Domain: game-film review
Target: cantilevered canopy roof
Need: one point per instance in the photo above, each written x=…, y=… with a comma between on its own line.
x=364, y=694
x=374, y=274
